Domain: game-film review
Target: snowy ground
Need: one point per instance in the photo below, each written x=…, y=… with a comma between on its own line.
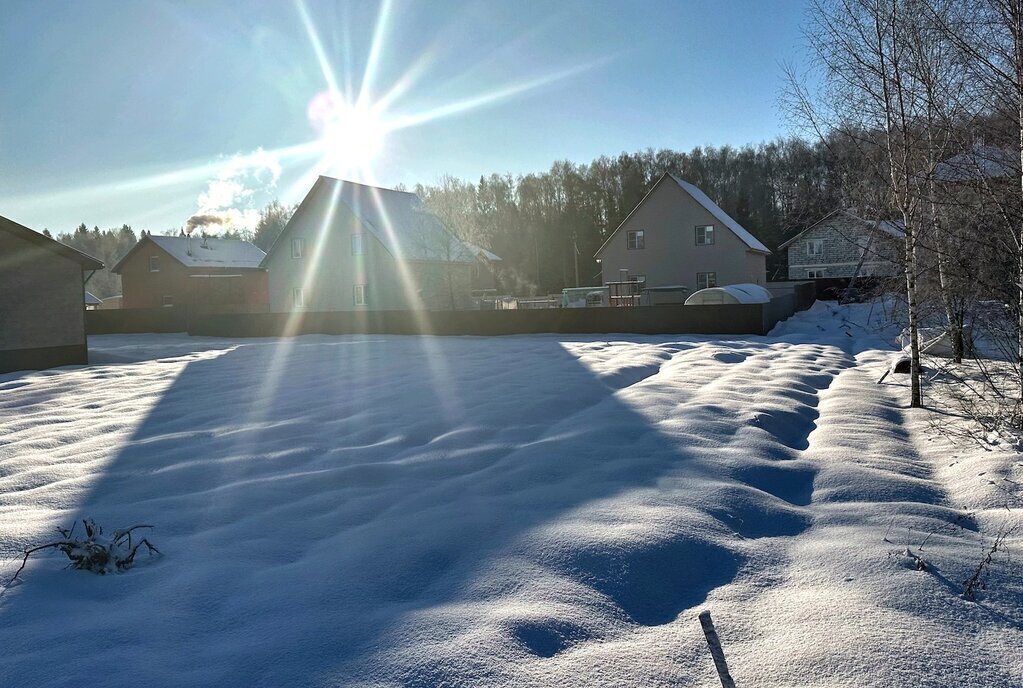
x=541, y=510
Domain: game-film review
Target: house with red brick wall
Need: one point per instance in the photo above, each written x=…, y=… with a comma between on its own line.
x=201, y=273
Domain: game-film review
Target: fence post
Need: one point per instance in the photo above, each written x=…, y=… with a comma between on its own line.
x=714, y=643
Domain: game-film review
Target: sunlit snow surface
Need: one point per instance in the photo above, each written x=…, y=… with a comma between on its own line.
x=535, y=510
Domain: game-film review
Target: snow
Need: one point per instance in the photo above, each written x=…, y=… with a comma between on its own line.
x=529, y=510
x=980, y=163
x=202, y=252
x=399, y=220
x=732, y=293
x=723, y=217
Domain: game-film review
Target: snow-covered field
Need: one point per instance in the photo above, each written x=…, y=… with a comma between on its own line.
x=536, y=510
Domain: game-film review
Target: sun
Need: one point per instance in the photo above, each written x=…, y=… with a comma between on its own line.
x=351, y=136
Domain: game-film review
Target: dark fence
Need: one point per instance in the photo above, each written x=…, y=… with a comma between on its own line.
x=804, y=292
x=136, y=320
x=663, y=319
x=720, y=319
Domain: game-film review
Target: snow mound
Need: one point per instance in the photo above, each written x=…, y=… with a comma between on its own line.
x=529, y=510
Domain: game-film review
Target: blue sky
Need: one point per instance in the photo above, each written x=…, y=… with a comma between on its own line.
x=147, y=112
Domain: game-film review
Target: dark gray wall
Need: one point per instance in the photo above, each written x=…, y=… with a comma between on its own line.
x=42, y=308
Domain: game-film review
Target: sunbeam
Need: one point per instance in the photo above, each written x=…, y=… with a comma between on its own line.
x=376, y=50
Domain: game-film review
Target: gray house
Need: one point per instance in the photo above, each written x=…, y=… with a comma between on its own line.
x=842, y=244
x=678, y=237
x=42, y=315
x=352, y=247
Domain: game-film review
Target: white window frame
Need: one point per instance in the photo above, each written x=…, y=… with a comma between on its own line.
x=359, y=295
x=298, y=297
x=358, y=244
x=710, y=279
x=703, y=232
x=298, y=247
x=168, y=300
x=635, y=239
x=814, y=248
x=815, y=274
x=154, y=261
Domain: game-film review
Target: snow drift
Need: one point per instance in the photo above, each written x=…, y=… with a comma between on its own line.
x=534, y=510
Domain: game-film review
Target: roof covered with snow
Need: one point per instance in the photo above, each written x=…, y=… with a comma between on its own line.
x=982, y=162
x=893, y=228
x=401, y=222
x=719, y=214
x=752, y=243
x=211, y=251
x=204, y=252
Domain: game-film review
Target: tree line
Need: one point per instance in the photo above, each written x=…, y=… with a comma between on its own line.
x=547, y=226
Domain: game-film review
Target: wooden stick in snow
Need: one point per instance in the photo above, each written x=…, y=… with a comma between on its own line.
x=714, y=643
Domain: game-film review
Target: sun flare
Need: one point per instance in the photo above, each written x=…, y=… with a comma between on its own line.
x=351, y=136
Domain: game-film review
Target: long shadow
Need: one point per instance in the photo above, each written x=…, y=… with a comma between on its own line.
x=310, y=494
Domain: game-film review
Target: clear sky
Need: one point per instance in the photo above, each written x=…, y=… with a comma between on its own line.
x=147, y=112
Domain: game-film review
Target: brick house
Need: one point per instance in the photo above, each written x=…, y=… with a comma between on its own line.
x=842, y=244
x=42, y=314
x=204, y=273
x=353, y=247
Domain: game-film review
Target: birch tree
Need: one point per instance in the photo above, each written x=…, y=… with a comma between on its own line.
x=870, y=94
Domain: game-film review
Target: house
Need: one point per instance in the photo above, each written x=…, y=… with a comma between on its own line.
x=111, y=303
x=978, y=164
x=842, y=244
x=205, y=273
x=352, y=247
x=678, y=237
x=42, y=317
x=92, y=302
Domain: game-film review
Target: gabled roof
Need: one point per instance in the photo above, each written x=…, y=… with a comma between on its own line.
x=710, y=206
x=22, y=232
x=719, y=214
x=893, y=228
x=399, y=220
x=199, y=252
x=981, y=162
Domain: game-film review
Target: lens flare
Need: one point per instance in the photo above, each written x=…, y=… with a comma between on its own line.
x=351, y=136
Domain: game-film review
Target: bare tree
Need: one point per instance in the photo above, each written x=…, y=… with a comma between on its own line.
x=872, y=94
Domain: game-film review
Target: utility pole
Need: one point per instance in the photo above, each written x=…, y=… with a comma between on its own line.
x=575, y=255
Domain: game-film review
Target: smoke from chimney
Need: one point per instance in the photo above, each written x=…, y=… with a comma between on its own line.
x=229, y=201
x=205, y=220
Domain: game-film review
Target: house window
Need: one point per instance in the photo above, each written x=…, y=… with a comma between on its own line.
x=297, y=248
x=356, y=244
x=706, y=280
x=636, y=239
x=168, y=301
x=154, y=263
x=705, y=235
x=360, y=294
x=815, y=248
x=298, y=297
x=814, y=274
